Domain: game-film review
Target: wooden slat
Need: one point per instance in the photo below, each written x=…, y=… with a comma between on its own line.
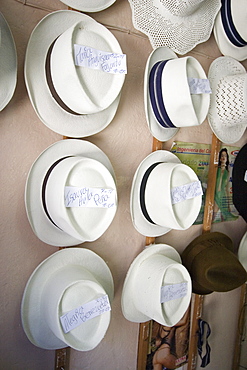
x=197, y=304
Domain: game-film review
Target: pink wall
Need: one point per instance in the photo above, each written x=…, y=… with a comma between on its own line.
x=126, y=141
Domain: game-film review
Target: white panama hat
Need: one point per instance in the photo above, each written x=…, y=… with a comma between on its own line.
x=168, y=99
x=153, y=211
x=177, y=24
x=51, y=221
x=157, y=266
x=242, y=251
x=8, y=63
x=89, y=6
x=227, y=115
x=64, y=281
x=49, y=65
x=230, y=29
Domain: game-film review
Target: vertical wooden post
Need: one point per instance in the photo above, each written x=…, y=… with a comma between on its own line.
x=206, y=226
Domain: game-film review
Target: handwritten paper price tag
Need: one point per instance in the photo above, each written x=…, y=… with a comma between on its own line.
x=187, y=191
x=173, y=291
x=199, y=85
x=86, y=312
x=89, y=197
x=86, y=56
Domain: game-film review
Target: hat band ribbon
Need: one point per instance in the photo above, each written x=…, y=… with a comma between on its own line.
x=142, y=192
x=44, y=188
x=206, y=358
x=155, y=94
x=229, y=26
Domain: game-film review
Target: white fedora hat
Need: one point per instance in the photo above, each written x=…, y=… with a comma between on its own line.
x=8, y=63
x=169, y=99
x=177, y=24
x=165, y=195
x=227, y=113
x=71, y=100
x=156, y=268
x=69, y=279
x=230, y=29
x=242, y=251
x=84, y=171
x=89, y=6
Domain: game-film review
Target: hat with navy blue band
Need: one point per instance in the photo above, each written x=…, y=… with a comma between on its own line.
x=176, y=93
x=230, y=29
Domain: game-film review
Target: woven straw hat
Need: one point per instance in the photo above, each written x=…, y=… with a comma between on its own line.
x=158, y=266
x=8, y=63
x=89, y=6
x=159, y=179
x=170, y=101
x=242, y=251
x=67, y=280
x=227, y=113
x=66, y=163
x=71, y=100
x=212, y=264
x=177, y=24
x=230, y=29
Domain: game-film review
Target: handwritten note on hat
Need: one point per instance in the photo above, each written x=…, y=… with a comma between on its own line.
x=86, y=56
x=89, y=197
x=86, y=312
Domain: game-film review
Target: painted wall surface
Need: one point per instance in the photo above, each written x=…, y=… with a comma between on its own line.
x=126, y=141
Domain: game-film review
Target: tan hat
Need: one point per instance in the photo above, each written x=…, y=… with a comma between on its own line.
x=212, y=264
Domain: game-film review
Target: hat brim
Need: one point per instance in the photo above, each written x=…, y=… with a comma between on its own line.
x=242, y=251
x=8, y=64
x=139, y=220
x=222, y=67
x=224, y=44
x=129, y=310
x=180, y=33
x=193, y=249
x=46, y=107
x=43, y=228
x=159, y=132
x=89, y=6
x=32, y=315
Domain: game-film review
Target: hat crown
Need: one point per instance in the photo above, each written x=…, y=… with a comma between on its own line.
x=182, y=8
x=83, y=223
x=158, y=200
x=83, y=89
x=238, y=11
x=231, y=99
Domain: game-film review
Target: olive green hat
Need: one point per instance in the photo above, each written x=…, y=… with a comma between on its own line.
x=212, y=264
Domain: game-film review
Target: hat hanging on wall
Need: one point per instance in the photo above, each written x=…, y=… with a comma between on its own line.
x=70, y=194
x=70, y=279
x=212, y=264
x=179, y=25
x=89, y=6
x=165, y=195
x=239, y=182
x=152, y=284
x=8, y=63
x=242, y=251
x=176, y=93
x=230, y=29
x=70, y=99
x=227, y=113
